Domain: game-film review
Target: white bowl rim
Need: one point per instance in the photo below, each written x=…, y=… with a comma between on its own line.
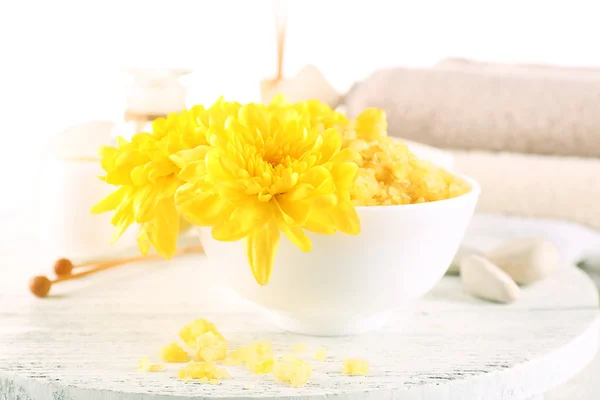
x=474, y=192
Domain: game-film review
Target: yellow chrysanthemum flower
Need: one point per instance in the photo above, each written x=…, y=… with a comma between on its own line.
x=252, y=172
x=266, y=170
x=148, y=180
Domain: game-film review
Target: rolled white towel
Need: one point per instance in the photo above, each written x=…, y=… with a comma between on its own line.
x=535, y=185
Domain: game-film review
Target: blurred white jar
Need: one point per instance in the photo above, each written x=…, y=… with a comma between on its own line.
x=69, y=187
x=152, y=93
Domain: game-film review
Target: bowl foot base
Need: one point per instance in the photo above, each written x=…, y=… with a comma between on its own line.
x=330, y=325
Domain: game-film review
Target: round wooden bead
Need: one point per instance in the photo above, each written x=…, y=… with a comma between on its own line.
x=40, y=286
x=63, y=266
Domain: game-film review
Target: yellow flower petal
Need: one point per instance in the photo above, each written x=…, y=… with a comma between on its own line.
x=320, y=222
x=325, y=201
x=241, y=222
x=119, y=177
x=332, y=143
x=261, y=248
x=344, y=174
x=121, y=142
x=295, y=235
x=143, y=240
x=320, y=178
x=189, y=192
x=279, y=100
x=346, y=218
x=214, y=167
x=294, y=212
x=164, y=230
x=121, y=226
x=229, y=166
x=108, y=154
x=300, y=192
x=144, y=204
x=111, y=201
x=206, y=210
x=251, y=115
x=139, y=176
x=193, y=171
x=346, y=155
x=183, y=157
x=123, y=210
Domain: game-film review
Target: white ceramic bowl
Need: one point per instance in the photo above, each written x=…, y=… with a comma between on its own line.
x=349, y=284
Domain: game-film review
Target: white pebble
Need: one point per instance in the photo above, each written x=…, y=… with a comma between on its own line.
x=462, y=252
x=526, y=260
x=483, y=279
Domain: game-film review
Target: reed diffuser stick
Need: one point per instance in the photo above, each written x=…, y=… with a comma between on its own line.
x=281, y=30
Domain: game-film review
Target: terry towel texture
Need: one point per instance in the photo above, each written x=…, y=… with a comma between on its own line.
x=553, y=112
x=535, y=185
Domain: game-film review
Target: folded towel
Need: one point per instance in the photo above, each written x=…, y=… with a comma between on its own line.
x=535, y=185
x=462, y=109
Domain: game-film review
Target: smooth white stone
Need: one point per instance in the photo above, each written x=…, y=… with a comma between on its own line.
x=483, y=279
x=463, y=251
x=526, y=260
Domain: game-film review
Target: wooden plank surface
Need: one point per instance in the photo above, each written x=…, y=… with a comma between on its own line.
x=85, y=341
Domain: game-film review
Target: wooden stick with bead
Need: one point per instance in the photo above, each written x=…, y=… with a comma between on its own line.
x=40, y=285
x=64, y=266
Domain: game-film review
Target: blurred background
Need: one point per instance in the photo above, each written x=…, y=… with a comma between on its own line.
x=455, y=75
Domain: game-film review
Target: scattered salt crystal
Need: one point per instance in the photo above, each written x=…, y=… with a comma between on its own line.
x=355, y=367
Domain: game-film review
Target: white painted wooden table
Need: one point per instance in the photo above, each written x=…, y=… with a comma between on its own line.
x=84, y=342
